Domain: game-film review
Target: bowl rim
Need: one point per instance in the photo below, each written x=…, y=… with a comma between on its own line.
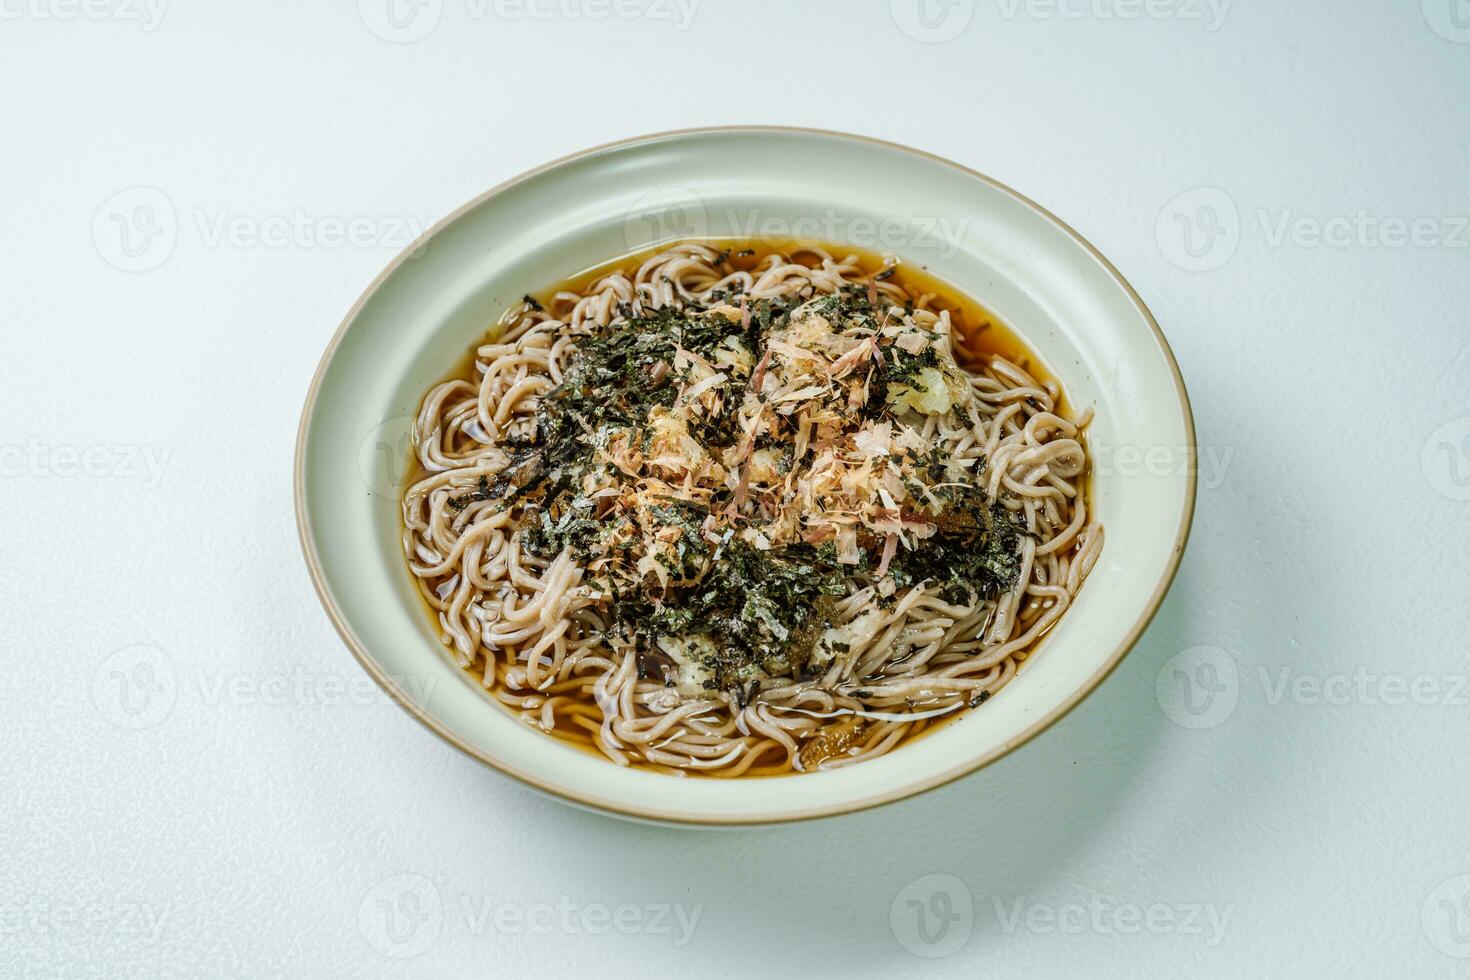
x=568, y=795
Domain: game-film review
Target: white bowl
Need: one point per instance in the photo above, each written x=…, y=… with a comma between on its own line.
x=437, y=299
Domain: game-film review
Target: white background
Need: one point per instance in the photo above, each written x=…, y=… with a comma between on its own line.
x=192, y=782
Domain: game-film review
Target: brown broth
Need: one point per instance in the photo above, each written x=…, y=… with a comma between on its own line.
x=979, y=335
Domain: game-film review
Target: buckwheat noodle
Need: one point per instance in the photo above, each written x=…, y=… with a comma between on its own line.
x=536, y=630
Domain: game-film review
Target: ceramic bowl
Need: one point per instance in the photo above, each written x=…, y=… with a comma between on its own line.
x=436, y=300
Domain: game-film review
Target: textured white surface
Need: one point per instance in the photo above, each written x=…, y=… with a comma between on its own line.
x=194, y=780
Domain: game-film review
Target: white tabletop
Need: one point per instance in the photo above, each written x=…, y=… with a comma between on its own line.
x=196, y=779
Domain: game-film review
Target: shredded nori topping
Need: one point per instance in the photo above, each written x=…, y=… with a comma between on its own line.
x=761, y=609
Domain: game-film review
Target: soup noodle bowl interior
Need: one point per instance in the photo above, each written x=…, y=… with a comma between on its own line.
x=732, y=511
